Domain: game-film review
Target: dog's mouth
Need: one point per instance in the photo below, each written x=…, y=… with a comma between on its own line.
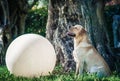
x=71, y=34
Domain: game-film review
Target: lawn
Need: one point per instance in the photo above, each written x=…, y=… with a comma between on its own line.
x=58, y=75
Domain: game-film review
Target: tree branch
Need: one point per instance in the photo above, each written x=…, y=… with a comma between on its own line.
x=5, y=8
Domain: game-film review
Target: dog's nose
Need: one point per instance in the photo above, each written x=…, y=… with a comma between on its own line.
x=69, y=26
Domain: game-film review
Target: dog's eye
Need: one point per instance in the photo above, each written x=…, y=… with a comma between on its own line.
x=75, y=27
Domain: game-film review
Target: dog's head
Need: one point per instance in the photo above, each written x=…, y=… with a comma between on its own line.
x=76, y=31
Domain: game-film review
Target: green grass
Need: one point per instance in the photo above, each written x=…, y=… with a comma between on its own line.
x=57, y=75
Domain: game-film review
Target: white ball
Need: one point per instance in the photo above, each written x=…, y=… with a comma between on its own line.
x=30, y=55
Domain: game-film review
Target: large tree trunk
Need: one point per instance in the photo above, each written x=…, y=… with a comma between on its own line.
x=98, y=32
x=89, y=13
x=93, y=14
x=62, y=14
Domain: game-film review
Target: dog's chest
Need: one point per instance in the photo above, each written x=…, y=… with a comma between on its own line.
x=79, y=53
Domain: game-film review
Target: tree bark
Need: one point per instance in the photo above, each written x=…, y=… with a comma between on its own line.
x=61, y=15
x=95, y=23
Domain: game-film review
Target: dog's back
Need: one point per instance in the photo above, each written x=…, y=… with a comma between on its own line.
x=95, y=63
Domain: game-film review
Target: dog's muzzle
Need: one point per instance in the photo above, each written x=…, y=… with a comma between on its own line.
x=71, y=34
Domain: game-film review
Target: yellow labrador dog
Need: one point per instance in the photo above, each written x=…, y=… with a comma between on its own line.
x=85, y=55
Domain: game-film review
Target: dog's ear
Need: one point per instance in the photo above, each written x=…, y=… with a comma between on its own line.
x=82, y=31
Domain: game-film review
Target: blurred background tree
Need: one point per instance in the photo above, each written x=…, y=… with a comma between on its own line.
x=18, y=17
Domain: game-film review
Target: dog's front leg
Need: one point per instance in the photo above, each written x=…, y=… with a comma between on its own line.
x=81, y=67
x=77, y=68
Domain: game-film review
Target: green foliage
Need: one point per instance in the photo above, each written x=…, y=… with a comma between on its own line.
x=36, y=21
x=45, y=2
x=58, y=75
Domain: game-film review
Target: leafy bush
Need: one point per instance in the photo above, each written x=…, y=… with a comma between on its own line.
x=36, y=21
